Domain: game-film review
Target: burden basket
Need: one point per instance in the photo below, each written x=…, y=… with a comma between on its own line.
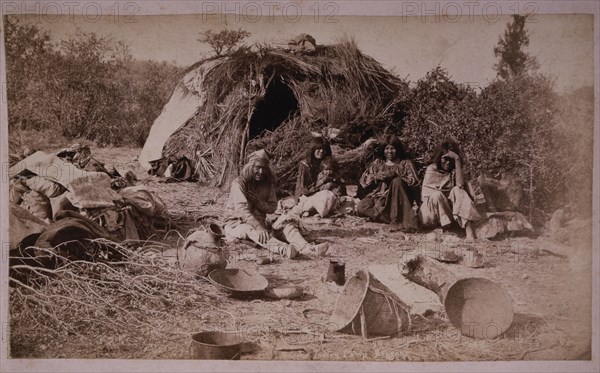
x=369, y=308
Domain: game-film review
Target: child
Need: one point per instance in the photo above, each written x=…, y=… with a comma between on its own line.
x=327, y=179
x=325, y=199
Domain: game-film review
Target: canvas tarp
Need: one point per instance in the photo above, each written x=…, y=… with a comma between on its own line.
x=188, y=97
x=48, y=166
x=21, y=223
x=92, y=191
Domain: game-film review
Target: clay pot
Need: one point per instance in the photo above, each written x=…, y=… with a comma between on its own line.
x=203, y=252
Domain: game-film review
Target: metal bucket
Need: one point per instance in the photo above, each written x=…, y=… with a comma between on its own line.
x=336, y=272
x=216, y=345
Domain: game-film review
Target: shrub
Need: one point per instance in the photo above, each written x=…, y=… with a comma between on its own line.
x=510, y=127
x=87, y=86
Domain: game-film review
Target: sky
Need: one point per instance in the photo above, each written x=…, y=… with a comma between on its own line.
x=562, y=43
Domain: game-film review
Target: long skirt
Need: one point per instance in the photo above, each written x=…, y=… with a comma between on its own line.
x=438, y=210
x=395, y=207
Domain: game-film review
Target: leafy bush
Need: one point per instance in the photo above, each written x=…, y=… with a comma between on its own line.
x=87, y=86
x=28, y=52
x=438, y=109
x=572, y=149
x=518, y=126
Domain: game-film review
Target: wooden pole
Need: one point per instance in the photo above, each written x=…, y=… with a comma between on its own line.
x=430, y=274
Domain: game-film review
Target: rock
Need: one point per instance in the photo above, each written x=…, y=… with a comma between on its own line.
x=450, y=239
x=556, y=221
x=431, y=236
x=284, y=292
x=525, y=276
x=490, y=228
x=498, y=223
x=503, y=194
x=263, y=260
x=553, y=247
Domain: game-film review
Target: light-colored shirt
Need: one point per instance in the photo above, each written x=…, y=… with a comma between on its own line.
x=436, y=179
x=244, y=208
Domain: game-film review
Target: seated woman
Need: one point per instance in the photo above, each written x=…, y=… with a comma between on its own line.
x=310, y=166
x=387, y=182
x=329, y=188
x=251, y=198
x=444, y=197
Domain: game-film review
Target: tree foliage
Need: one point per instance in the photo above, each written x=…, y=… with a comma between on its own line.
x=517, y=126
x=86, y=86
x=28, y=53
x=573, y=149
x=513, y=60
x=224, y=41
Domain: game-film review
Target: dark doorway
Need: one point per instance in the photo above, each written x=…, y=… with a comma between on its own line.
x=278, y=105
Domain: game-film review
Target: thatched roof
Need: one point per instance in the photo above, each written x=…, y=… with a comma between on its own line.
x=273, y=98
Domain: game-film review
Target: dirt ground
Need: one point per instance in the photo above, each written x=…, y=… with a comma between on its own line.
x=551, y=298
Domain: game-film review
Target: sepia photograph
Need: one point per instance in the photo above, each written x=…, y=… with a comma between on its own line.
x=299, y=186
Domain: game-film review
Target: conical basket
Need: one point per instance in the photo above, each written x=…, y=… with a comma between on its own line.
x=369, y=308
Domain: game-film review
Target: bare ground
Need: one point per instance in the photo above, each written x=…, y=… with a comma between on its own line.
x=551, y=298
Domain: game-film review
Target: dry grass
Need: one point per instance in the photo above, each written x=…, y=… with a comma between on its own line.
x=356, y=93
x=145, y=289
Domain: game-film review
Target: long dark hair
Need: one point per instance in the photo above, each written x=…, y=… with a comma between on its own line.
x=443, y=148
x=395, y=142
x=318, y=143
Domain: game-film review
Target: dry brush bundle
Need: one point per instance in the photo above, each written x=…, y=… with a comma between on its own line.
x=286, y=150
x=144, y=290
x=335, y=86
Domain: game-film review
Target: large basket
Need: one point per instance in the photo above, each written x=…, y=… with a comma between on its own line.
x=479, y=308
x=369, y=308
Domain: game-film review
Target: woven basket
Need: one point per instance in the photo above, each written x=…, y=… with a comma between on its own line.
x=479, y=308
x=238, y=283
x=369, y=308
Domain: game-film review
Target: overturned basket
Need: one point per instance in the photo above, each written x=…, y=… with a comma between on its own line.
x=369, y=308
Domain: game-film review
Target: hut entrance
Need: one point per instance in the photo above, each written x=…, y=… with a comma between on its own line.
x=278, y=105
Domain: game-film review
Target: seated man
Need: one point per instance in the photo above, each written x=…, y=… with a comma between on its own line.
x=443, y=193
x=251, y=198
